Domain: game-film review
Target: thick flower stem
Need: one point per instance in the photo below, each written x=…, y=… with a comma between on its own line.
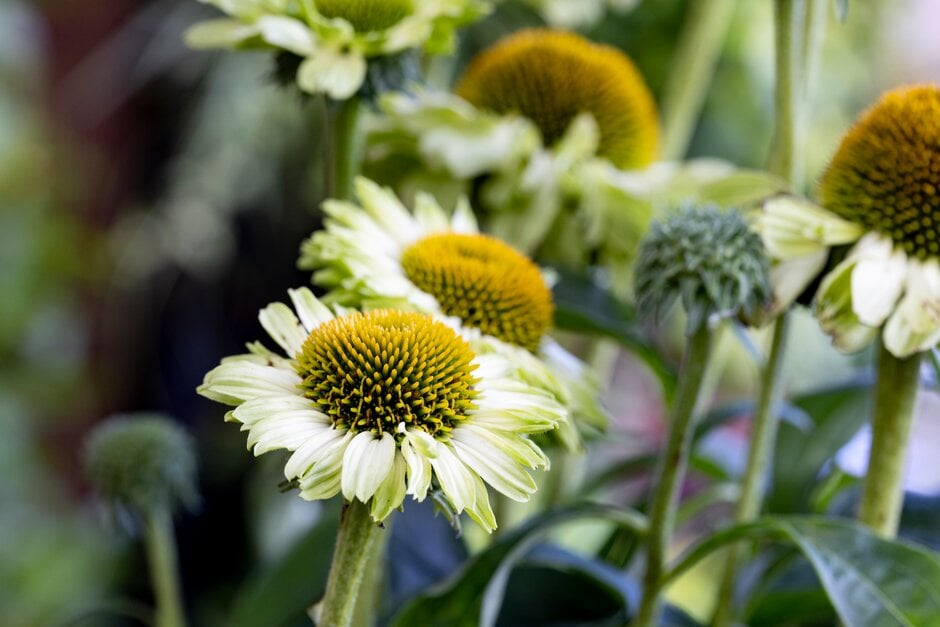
x=895, y=393
x=670, y=474
x=346, y=146
x=161, y=553
x=693, y=66
x=763, y=437
x=355, y=545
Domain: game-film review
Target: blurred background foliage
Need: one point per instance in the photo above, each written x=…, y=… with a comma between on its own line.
x=152, y=199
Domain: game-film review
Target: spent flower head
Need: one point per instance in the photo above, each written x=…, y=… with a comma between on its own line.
x=707, y=258
x=385, y=403
x=140, y=463
x=552, y=76
x=881, y=192
x=379, y=254
x=334, y=39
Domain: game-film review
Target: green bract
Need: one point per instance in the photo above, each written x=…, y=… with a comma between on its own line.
x=140, y=463
x=335, y=39
x=707, y=258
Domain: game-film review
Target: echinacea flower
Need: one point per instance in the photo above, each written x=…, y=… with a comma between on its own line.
x=575, y=13
x=385, y=403
x=552, y=76
x=380, y=255
x=334, y=39
x=881, y=192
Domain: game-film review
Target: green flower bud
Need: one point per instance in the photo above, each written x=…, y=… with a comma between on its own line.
x=708, y=258
x=140, y=463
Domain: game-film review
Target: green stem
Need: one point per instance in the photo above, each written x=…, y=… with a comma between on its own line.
x=670, y=474
x=693, y=66
x=161, y=553
x=346, y=148
x=763, y=437
x=789, y=20
x=355, y=545
x=895, y=393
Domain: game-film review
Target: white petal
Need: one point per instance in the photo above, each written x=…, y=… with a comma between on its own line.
x=387, y=211
x=316, y=448
x=793, y=227
x=455, y=478
x=323, y=479
x=221, y=33
x=235, y=381
x=835, y=313
x=280, y=422
x=391, y=492
x=419, y=470
x=428, y=213
x=332, y=72
x=480, y=511
x=283, y=327
x=464, y=220
x=495, y=467
x=915, y=324
x=789, y=278
x=287, y=33
x=877, y=280
x=366, y=463
x=311, y=311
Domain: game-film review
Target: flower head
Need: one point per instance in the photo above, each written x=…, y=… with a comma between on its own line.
x=552, y=76
x=385, y=403
x=880, y=193
x=381, y=255
x=139, y=463
x=334, y=38
x=708, y=259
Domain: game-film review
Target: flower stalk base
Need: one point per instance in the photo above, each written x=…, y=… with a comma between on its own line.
x=895, y=394
x=161, y=553
x=357, y=541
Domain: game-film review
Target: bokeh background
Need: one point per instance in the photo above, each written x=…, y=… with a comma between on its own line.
x=153, y=198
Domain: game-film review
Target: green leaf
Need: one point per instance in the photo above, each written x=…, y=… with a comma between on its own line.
x=791, y=607
x=870, y=581
x=280, y=595
x=583, y=306
x=474, y=596
x=837, y=415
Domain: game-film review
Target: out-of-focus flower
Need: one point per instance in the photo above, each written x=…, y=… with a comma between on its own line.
x=708, y=259
x=140, y=464
x=380, y=255
x=335, y=38
x=382, y=404
x=578, y=13
x=881, y=192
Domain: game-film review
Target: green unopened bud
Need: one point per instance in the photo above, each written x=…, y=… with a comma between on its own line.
x=709, y=259
x=141, y=463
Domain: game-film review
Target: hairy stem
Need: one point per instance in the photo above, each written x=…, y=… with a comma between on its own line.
x=670, y=474
x=355, y=545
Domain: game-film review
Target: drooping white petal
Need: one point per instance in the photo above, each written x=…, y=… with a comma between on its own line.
x=915, y=324
x=316, y=448
x=365, y=465
x=789, y=278
x=323, y=479
x=419, y=470
x=877, y=280
x=311, y=311
x=455, y=478
x=279, y=422
x=481, y=512
x=283, y=327
x=337, y=74
x=492, y=464
x=835, y=313
x=391, y=492
x=235, y=381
